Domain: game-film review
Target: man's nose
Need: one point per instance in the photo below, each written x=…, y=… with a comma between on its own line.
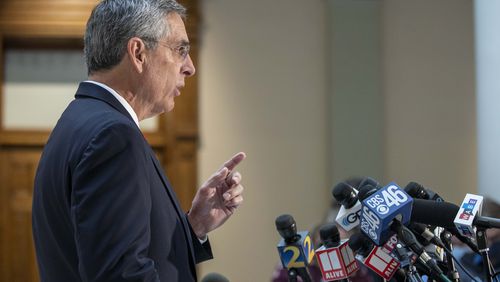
x=188, y=68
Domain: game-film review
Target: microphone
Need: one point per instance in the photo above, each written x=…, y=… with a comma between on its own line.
x=433, y=244
x=408, y=238
x=378, y=259
x=295, y=249
x=471, y=206
x=443, y=214
x=387, y=211
x=418, y=191
x=425, y=233
x=468, y=219
x=366, y=191
x=335, y=258
x=381, y=208
x=348, y=215
x=214, y=277
x=369, y=181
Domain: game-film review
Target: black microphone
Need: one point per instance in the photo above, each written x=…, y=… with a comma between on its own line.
x=296, y=250
x=345, y=194
x=214, y=277
x=348, y=215
x=369, y=181
x=366, y=191
x=377, y=259
x=361, y=244
x=440, y=214
x=425, y=233
x=443, y=214
x=408, y=238
x=287, y=228
x=329, y=235
x=432, y=243
x=418, y=191
x=335, y=258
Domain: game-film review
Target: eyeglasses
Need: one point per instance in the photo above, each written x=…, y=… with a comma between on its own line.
x=182, y=50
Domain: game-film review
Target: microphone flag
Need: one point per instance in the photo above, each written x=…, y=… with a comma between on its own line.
x=336, y=263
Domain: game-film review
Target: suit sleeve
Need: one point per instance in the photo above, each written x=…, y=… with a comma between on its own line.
x=202, y=252
x=110, y=208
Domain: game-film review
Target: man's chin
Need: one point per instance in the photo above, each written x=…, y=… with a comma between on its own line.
x=170, y=107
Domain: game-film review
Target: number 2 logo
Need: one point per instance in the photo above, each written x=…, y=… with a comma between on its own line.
x=295, y=260
x=295, y=255
x=309, y=248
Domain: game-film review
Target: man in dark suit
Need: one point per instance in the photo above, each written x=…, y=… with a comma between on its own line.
x=103, y=209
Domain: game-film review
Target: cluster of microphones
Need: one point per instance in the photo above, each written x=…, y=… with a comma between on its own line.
x=399, y=234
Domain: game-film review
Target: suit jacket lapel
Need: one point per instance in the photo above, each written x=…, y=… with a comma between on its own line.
x=178, y=209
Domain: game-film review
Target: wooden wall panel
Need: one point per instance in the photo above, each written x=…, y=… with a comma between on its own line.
x=18, y=167
x=1, y=82
x=182, y=170
x=44, y=18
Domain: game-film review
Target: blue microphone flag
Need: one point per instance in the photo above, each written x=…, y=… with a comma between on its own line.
x=380, y=209
x=298, y=254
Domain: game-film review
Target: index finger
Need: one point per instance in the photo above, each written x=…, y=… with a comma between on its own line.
x=234, y=161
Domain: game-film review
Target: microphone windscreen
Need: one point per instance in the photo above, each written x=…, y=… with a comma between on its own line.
x=344, y=194
x=341, y=191
x=366, y=191
x=284, y=221
x=434, y=213
x=214, y=277
x=416, y=191
x=359, y=242
x=329, y=234
x=419, y=228
x=368, y=181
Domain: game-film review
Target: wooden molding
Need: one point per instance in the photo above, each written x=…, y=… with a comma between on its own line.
x=23, y=138
x=1, y=79
x=39, y=138
x=45, y=18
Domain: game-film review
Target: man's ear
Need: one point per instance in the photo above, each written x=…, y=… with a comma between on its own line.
x=136, y=52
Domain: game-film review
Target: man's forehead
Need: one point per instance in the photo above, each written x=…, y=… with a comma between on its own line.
x=177, y=28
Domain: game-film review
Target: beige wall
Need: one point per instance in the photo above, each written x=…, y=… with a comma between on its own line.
x=263, y=91
x=263, y=87
x=429, y=92
x=356, y=104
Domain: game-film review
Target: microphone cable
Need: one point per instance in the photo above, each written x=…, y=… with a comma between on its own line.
x=457, y=261
x=496, y=273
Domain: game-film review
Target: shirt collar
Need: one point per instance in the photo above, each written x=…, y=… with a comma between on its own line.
x=120, y=99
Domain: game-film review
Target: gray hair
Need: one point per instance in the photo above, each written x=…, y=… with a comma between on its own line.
x=113, y=22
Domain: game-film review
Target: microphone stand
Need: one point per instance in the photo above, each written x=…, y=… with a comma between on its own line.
x=483, y=250
x=410, y=271
x=292, y=275
x=412, y=274
x=452, y=273
x=304, y=274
